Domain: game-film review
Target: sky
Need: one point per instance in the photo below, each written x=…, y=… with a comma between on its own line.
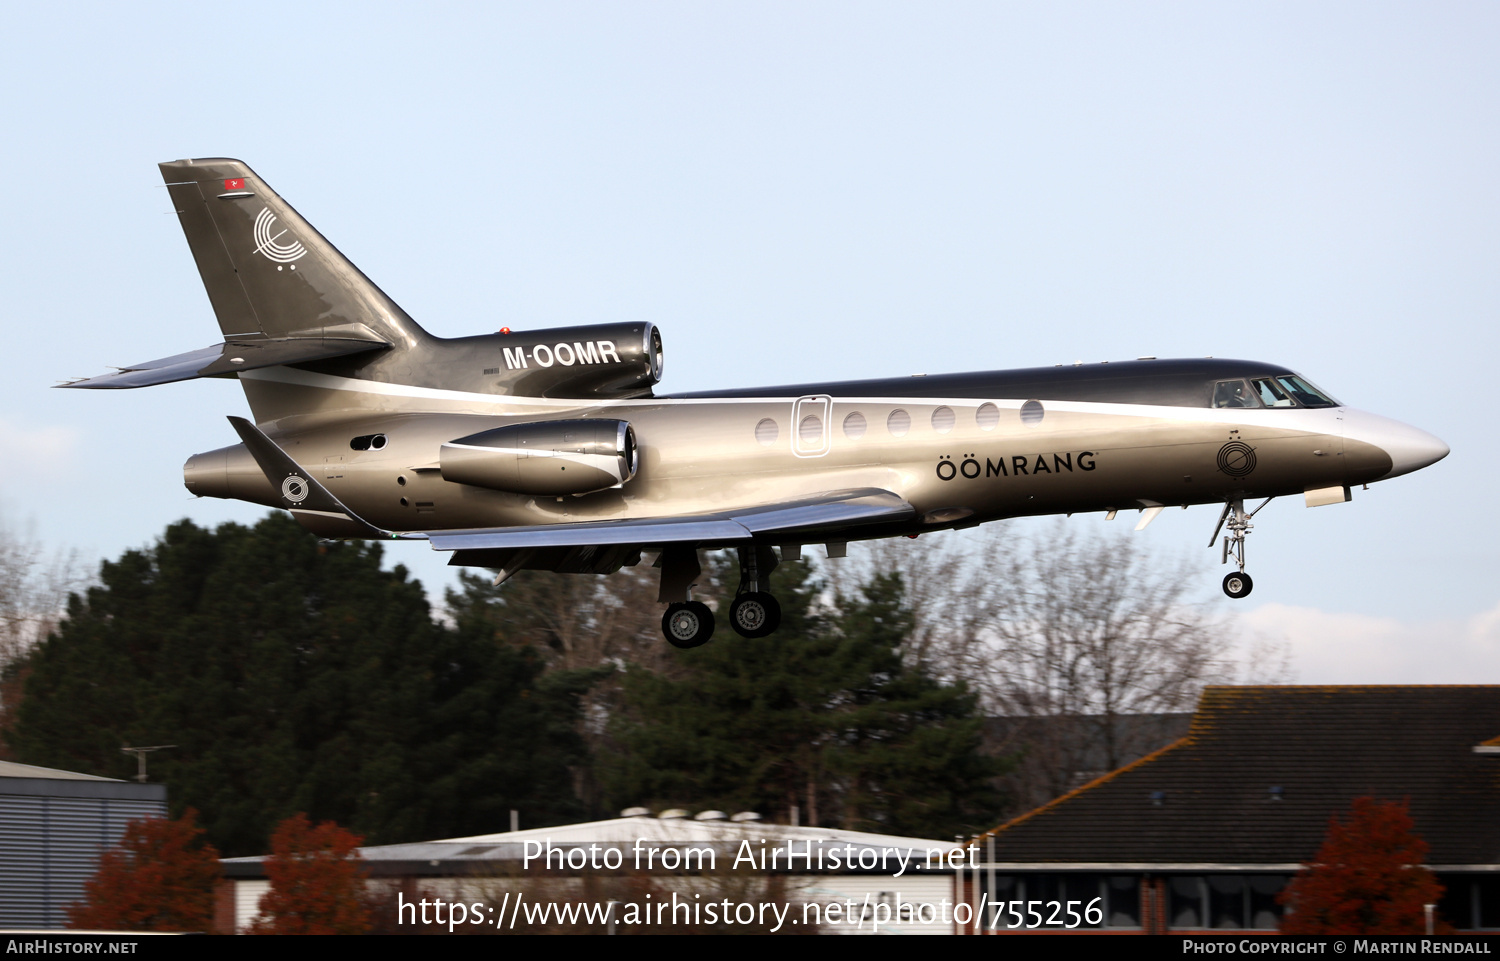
x=804, y=192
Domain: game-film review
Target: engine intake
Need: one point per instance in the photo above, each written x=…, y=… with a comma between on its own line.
x=551, y=458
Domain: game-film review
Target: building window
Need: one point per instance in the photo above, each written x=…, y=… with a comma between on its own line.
x=1232, y=902
x=1470, y=902
x=1042, y=901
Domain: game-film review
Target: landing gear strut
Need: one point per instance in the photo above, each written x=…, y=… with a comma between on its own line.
x=754, y=612
x=1236, y=585
x=686, y=623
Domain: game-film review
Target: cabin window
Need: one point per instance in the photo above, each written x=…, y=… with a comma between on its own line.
x=987, y=416
x=943, y=419
x=1032, y=413
x=898, y=423
x=766, y=432
x=854, y=425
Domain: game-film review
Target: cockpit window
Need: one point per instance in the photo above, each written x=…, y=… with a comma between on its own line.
x=1233, y=393
x=1283, y=390
x=1307, y=395
x=1272, y=394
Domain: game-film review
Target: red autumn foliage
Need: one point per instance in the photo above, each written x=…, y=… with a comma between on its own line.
x=1368, y=877
x=317, y=884
x=159, y=878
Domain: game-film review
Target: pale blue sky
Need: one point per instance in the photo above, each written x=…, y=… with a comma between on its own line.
x=798, y=192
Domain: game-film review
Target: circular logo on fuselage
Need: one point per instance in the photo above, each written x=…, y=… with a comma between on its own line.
x=1236, y=458
x=294, y=489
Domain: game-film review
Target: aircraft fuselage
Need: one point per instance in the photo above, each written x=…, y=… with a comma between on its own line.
x=962, y=449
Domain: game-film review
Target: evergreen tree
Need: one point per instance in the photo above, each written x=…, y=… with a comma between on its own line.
x=297, y=676
x=584, y=627
x=822, y=714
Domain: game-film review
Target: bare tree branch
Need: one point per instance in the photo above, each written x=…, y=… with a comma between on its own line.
x=1084, y=649
x=34, y=588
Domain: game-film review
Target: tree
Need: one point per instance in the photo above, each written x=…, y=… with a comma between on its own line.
x=160, y=877
x=34, y=588
x=1367, y=878
x=317, y=883
x=571, y=620
x=822, y=715
x=293, y=675
x=1068, y=638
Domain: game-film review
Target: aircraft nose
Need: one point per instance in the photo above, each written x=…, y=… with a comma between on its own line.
x=1409, y=448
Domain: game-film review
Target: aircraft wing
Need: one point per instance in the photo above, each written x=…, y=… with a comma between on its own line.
x=805, y=518
x=222, y=360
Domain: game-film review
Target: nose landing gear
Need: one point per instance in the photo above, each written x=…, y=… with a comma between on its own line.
x=1236, y=585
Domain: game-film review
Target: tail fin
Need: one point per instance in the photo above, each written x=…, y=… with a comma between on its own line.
x=267, y=271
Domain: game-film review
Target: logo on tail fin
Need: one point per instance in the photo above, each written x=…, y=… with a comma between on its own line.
x=265, y=241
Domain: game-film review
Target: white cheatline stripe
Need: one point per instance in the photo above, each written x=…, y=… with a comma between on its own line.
x=1311, y=420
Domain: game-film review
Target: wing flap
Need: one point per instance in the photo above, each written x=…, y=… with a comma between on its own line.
x=830, y=511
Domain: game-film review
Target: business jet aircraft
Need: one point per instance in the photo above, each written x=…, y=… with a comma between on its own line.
x=550, y=450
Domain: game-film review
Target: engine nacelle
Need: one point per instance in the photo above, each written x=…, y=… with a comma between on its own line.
x=602, y=360
x=551, y=458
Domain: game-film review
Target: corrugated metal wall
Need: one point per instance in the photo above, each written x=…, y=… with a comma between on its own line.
x=247, y=895
x=49, y=846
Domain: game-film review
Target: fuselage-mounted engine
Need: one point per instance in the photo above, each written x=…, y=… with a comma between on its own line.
x=551, y=458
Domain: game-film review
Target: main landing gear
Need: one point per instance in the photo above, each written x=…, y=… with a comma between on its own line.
x=688, y=624
x=754, y=612
x=1236, y=585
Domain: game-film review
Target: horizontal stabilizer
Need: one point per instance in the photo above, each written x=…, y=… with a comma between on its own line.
x=803, y=518
x=224, y=360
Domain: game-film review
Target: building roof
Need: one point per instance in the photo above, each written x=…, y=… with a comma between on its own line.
x=1212, y=797
x=12, y=769
x=467, y=855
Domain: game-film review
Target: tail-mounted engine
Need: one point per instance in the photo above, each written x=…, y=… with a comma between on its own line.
x=551, y=458
x=602, y=360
